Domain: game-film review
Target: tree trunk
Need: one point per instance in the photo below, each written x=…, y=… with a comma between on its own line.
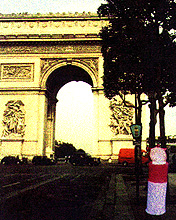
x=138, y=160
x=162, y=122
x=152, y=106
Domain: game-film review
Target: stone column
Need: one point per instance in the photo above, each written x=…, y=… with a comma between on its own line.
x=50, y=128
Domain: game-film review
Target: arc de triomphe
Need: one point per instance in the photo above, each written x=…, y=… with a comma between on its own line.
x=38, y=55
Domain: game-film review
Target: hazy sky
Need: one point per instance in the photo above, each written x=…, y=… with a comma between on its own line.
x=170, y=121
x=46, y=6
x=74, y=119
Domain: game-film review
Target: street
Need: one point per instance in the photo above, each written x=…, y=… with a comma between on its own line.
x=51, y=192
x=66, y=192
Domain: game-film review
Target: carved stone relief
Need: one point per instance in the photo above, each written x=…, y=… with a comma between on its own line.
x=121, y=118
x=48, y=49
x=91, y=63
x=20, y=72
x=50, y=62
x=14, y=119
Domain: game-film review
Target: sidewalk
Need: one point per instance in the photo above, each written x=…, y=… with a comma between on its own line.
x=119, y=201
x=138, y=209
x=123, y=208
x=113, y=203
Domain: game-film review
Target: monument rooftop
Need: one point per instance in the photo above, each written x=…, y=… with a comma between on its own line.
x=61, y=26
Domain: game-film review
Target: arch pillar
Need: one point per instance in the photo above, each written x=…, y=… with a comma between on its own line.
x=95, y=120
x=103, y=133
x=49, y=132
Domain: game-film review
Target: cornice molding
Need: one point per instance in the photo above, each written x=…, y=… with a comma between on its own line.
x=49, y=37
x=22, y=91
x=61, y=27
x=49, y=15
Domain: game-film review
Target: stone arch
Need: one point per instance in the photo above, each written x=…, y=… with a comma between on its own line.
x=51, y=65
x=54, y=78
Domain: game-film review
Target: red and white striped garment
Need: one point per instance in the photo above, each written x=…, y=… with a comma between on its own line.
x=157, y=187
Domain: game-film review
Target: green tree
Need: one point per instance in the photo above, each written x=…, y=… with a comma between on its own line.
x=63, y=149
x=140, y=53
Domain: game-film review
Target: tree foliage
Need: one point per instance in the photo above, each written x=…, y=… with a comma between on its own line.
x=64, y=149
x=138, y=48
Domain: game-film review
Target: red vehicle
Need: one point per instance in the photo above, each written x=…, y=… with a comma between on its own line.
x=127, y=156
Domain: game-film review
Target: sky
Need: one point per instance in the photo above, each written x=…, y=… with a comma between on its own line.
x=75, y=105
x=46, y=6
x=170, y=119
x=74, y=115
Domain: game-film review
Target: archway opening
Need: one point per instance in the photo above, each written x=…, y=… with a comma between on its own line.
x=64, y=75
x=73, y=113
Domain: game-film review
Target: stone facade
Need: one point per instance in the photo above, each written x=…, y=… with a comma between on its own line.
x=33, y=49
